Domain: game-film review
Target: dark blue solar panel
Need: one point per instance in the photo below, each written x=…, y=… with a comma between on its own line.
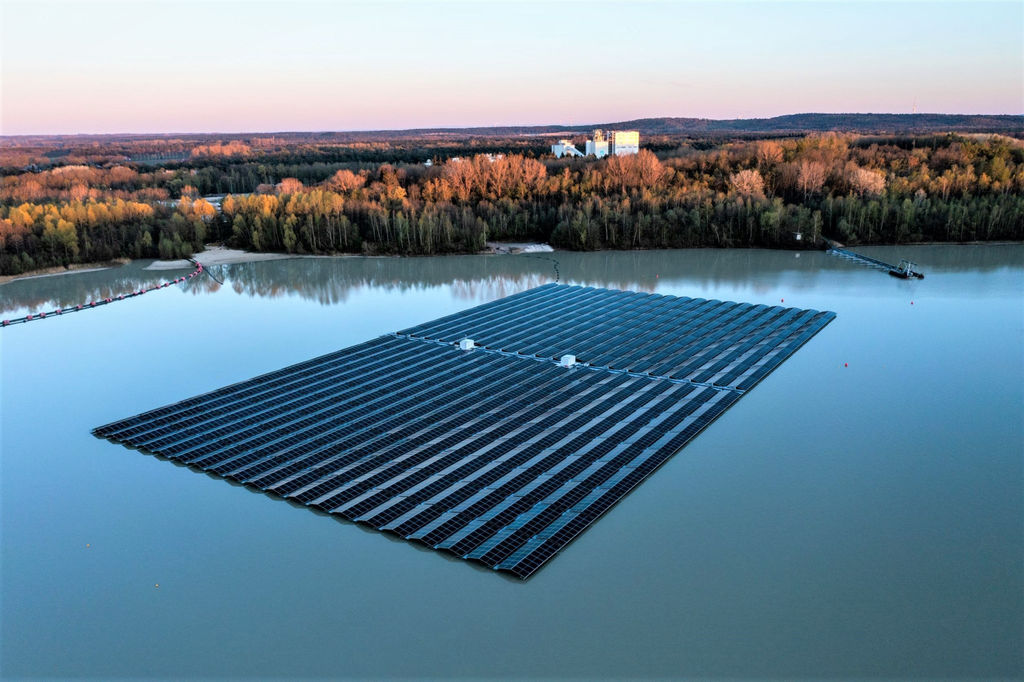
x=497, y=454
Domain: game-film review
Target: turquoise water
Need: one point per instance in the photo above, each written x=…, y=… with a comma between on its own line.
x=859, y=514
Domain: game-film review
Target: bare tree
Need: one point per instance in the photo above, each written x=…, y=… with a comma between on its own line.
x=769, y=153
x=288, y=186
x=864, y=181
x=345, y=181
x=810, y=176
x=747, y=183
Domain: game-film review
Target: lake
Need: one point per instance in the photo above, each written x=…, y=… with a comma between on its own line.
x=859, y=514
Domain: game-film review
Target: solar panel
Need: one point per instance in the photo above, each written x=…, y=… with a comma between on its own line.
x=498, y=454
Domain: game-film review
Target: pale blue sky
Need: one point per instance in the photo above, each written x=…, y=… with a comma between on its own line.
x=243, y=66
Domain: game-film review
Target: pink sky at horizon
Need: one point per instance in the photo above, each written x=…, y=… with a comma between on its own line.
x=88, y=67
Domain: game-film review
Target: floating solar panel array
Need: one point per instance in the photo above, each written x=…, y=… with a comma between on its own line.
x=498, y=453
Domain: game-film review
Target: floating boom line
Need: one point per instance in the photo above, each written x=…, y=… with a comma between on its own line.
x=32, y=317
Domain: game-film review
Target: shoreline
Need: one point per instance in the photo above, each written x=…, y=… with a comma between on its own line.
x=73, y=269
x=220, y=255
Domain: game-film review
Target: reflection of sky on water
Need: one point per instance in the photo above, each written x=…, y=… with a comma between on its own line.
x=875, y=475
x=477, y=279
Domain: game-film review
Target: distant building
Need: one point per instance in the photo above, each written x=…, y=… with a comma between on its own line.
x=616, y=143
x=624, y=142
x=598, y=146
x=566, y=148
x=490, y=157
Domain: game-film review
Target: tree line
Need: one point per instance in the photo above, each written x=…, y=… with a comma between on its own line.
x=752, y=193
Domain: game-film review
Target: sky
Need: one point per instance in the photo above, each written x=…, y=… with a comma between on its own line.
x=152, y=66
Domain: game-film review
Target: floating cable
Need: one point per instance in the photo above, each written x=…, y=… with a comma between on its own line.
x=104, y=301
x=553, y=261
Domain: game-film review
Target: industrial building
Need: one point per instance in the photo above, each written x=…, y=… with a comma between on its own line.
x=567, y=148
x=598, y=146
x=616, y=143
x=623, y=142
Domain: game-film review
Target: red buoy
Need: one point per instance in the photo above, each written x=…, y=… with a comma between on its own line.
x=28, y=317
x=846, y=364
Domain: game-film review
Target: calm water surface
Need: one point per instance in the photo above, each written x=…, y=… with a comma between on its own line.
x=840, y=521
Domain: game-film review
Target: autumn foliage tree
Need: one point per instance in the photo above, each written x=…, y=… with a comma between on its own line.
x=282, y=196
x=747, y=183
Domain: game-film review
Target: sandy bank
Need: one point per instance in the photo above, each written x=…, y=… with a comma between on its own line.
x=516, y=247
x=72, y=269
x=218, y=255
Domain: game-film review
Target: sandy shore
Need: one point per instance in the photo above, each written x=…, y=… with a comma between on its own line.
x=516, y=247
x=73, y=269
x=218, y=255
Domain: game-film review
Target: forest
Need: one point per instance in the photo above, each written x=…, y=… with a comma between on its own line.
x=168, y=197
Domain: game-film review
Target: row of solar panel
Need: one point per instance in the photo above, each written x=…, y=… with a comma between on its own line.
x=346, y=360
x=680, y=338
x=390, y=361
x=395, y=415
x=542, y=437
x=483, y=453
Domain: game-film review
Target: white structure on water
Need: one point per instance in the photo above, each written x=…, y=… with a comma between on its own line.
x=617, y=143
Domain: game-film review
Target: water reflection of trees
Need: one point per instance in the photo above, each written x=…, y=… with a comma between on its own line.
x=334, y=280
x=62, y=291
x=481, y=278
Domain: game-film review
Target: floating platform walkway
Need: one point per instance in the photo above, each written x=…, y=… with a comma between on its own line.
x=904, y=270
x=498, y=433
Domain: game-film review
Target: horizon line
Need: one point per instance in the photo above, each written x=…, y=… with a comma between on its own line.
x=504, y=125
